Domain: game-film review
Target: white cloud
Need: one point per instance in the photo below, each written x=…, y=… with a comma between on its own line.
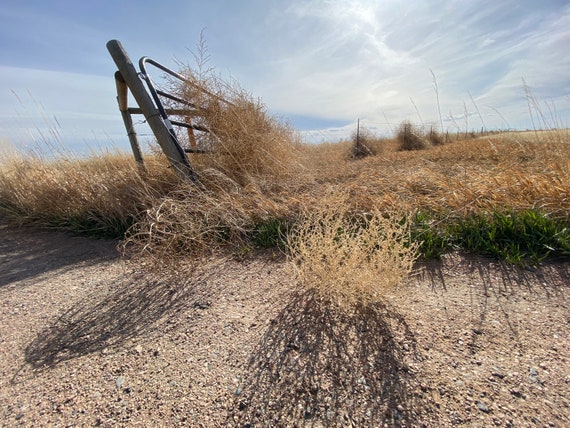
x=367, y=59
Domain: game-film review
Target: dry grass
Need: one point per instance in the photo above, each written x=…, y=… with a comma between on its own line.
x=107, y=193
x=193, y=221
x=479, y=175
x=410, y=137
x=350, y=258
x=99, y=195
x=351, y=219
x=540, y=136
x=458, y=178
x=258, y=172
x=246, y=143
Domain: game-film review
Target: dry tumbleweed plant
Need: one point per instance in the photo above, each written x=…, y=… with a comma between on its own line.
x=351, y=258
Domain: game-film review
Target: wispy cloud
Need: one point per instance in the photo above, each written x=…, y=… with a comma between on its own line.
x=76, y=109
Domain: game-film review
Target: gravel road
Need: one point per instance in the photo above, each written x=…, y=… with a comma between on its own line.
x=88, y=339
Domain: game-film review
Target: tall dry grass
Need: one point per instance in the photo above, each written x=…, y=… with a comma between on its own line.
x=473, y=176
x=108, y=194
x=245, y=142
x=100, y=195
x=257, y=172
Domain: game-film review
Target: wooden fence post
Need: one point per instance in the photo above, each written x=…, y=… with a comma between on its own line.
x=123, y=100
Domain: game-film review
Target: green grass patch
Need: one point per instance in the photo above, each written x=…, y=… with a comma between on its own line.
x=272, y=233
x=525, y=237
x=432, y=235
x=97, y=226
x=517, y=237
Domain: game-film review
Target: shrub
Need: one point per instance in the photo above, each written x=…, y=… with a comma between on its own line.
x=245, y=141
x=435, y=138
x=361, y=141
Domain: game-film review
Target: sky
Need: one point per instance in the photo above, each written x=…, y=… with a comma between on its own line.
x=320, y=65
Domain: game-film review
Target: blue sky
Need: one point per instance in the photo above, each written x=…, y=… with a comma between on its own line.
x=318, y=64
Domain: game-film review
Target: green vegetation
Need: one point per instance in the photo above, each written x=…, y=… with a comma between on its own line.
x=272, y=233
x=433, y=241
x=527, y=236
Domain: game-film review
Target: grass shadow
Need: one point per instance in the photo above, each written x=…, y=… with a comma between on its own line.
x=28, y=252
x=318, y=365
x=494, y=289
x=503, y=282
x=550, y=276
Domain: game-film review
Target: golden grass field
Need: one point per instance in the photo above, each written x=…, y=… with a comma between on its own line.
x=487, y=173
x=108, y=193
x=460, y=177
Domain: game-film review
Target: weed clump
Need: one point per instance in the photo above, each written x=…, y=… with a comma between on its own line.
x=351, y=259
x=435, y=138
x=244, y=142
x=410, y=138
x=361, y=141
x=192, y=221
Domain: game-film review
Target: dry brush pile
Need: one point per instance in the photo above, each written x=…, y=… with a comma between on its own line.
x=351, y=259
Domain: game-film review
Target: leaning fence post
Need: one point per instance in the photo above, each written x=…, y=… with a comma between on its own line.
x=167, y=142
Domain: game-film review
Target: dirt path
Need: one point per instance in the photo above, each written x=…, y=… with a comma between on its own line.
x=89, y=340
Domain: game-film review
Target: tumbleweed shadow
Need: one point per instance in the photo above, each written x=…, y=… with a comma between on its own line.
x=318, y=365
x=136, y=306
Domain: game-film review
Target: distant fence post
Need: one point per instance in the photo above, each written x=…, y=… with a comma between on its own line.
x=166, y=140
x=358, y=135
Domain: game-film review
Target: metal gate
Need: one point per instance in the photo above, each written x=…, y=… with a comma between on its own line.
x=161, y=119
